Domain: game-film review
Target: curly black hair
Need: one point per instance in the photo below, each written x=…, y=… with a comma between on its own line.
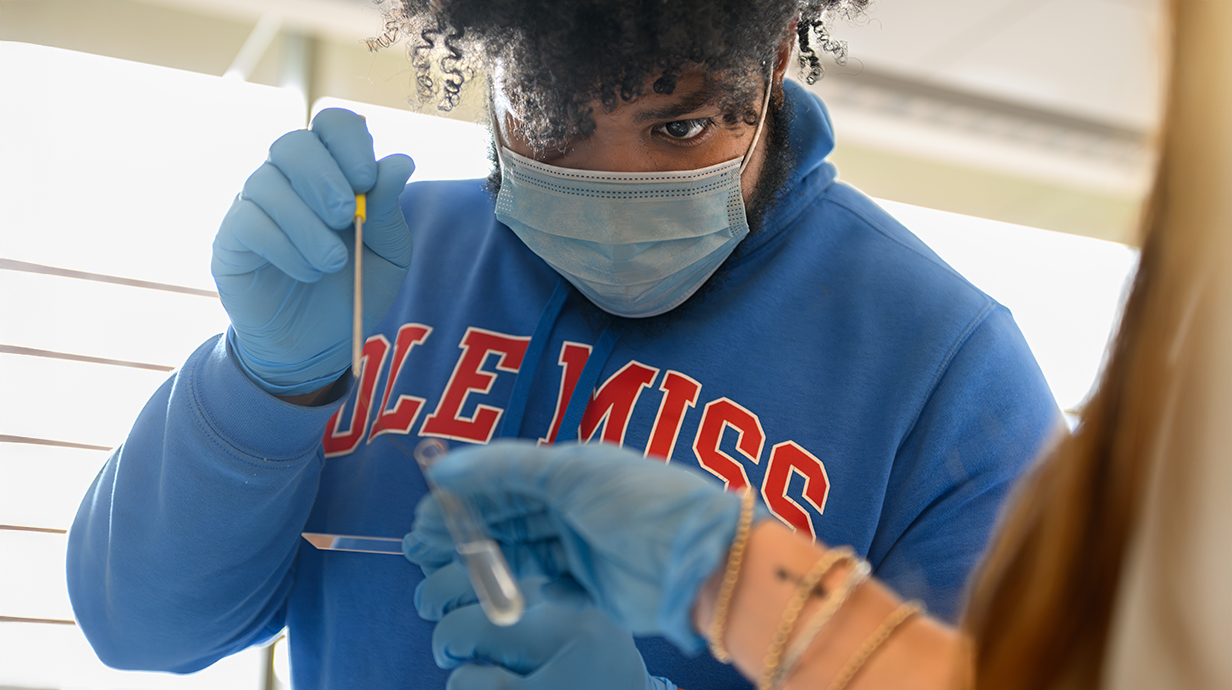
x=559, y=56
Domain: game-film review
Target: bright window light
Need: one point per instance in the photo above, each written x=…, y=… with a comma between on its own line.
x=1065, y=291
x=124, y=168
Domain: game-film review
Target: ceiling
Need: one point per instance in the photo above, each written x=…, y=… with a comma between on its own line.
x=1039, y=112
x=1092, y=59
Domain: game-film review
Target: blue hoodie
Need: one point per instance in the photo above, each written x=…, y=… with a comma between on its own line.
x=872, y=396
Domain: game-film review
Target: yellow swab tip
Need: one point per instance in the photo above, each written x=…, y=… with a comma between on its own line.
x=361, y=207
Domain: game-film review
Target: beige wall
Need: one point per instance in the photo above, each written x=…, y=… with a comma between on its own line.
x=988, y=194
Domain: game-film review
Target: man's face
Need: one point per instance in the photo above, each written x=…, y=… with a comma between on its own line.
x=655, y=133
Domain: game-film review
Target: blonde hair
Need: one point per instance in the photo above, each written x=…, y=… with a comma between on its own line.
x=1040, y=609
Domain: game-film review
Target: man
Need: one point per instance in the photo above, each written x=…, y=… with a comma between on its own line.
x=669, y=264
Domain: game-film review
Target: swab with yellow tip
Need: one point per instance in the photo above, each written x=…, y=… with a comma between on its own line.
x=357, y=325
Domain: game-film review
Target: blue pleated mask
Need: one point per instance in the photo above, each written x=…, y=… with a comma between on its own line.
x=635, y=244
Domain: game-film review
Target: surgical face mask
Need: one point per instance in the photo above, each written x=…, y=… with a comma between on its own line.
x=635, y=244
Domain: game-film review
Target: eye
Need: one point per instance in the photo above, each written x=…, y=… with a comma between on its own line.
x=684, y=130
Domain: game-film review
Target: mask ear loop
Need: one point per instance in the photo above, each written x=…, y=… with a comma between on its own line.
x=761, y=122
x=496, y=133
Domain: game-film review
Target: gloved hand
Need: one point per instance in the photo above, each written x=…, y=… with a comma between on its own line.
x=281, y=253
x=639, y=537
x=553, y=646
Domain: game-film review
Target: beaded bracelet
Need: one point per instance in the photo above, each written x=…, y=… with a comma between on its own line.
x=734, y=558
x=874, y=642
x=770, y=667
x=859, y=575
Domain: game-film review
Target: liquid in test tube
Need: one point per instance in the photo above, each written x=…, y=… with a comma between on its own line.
x=498, y=592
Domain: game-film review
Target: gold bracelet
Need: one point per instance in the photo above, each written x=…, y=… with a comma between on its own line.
x=858, y=576
x=770, y=667
x=734, y=558
x=874, y=642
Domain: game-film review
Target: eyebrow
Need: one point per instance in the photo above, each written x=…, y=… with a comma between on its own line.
x=689, y=103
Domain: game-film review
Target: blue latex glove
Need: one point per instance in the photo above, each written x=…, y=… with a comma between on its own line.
x=639, y=537
x=553, y=646
x=282, y=255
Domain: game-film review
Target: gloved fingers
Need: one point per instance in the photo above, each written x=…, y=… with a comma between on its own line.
x=522, y=526
x=430, y=546
x=230, y=257
x=449, y=588
x=539, y=559
x=466, y=635
x=431, y=563
x=549, y=648
x=385, y=231
x=428, y=550
x=320, y=245
x=345, y=135
x=566, y=591
x=511, y=517
x=315, y=177
x=443, y=591
x=474, y=677
x=545, y=559
x=431, y=567
x=249, y=239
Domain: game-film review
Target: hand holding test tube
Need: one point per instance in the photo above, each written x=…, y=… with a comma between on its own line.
x=498, y=592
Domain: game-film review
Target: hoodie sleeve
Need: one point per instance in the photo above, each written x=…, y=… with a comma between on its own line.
x=183, y=549
x=990, y=413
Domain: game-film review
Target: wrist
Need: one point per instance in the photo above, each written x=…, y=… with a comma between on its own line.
x=287, y=382
x=919, y=654
x=775, y=560
x=322, y=396
x=713, y=596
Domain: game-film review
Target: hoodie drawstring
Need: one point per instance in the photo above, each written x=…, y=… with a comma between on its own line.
x=512, y=423
x=511, y=426
x=586, y=383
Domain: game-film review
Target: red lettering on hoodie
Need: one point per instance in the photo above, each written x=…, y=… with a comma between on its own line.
x=718, y=415
x=679, y=393
x=401, y=417
x=612, y=404
x=786, y=458
x=469, y=377
x=338, y=441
